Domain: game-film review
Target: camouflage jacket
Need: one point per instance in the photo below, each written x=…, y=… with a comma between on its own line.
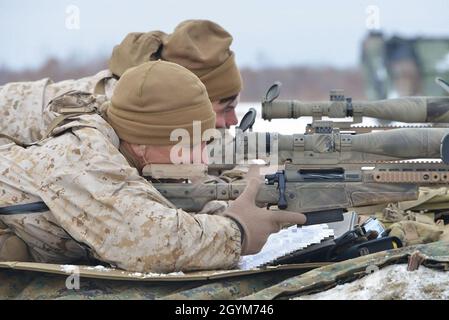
x=100, y=207
x=24, y=114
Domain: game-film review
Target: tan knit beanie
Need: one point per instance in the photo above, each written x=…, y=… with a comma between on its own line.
x=155, y=98
x=202, y=46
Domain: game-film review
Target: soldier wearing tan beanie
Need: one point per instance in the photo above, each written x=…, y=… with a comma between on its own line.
x=149, y=103
x=155, y=98
x=201, y=46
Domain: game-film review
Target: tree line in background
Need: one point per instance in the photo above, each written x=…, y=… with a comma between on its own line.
x=305, y=83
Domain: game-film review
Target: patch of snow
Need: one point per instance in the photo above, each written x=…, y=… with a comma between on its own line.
x=391, y=283
x=180, y=273
x=71, y=269
x=99, y=268
x=285, y=242
x=152, y=275
x=68, y=268
x=136, y=274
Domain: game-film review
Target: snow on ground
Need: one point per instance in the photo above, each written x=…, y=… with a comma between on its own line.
x=68, y=268
x=99, y=268
x=391, y=283
x=285, y=242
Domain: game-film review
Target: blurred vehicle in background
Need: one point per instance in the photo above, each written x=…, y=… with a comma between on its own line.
x=396, y=66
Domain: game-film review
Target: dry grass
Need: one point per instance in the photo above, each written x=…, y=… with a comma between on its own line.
x=305, y=83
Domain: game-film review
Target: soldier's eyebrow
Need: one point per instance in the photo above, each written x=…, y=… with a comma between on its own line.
x=228, y=99
x=226, y=107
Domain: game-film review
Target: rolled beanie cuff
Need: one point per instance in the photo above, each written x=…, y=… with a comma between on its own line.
x=224, y=81
x=163, y=140
x=147, y=134
x=232, y=91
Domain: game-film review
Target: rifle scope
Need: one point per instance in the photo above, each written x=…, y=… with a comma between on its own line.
x=406, y=109
x=398, y=144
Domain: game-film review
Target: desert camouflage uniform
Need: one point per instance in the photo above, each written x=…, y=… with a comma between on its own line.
x=100, y=207
x=23, y=105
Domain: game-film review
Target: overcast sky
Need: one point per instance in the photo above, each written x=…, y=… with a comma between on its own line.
x=273, y=33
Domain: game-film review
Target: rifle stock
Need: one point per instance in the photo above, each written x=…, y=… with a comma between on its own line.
x=322, y=202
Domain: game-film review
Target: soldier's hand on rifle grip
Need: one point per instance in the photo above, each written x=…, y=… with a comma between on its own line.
x=257, y=223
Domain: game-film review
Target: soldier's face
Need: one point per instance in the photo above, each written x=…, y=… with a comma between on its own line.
x=155, y=154
x=225, y=112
